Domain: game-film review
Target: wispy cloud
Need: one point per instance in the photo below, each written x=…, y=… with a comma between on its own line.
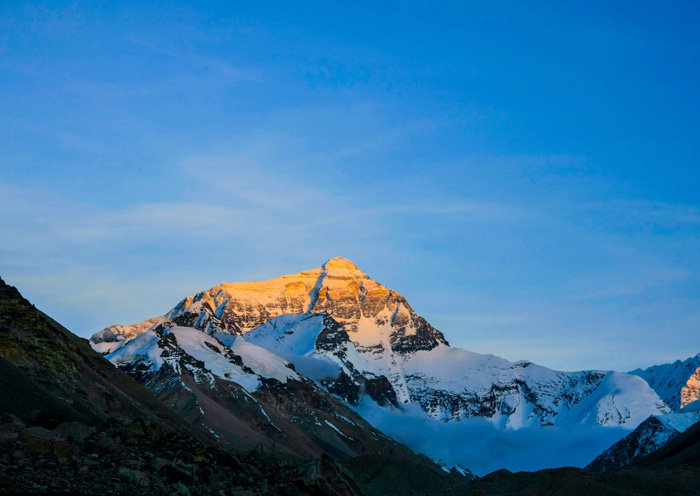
x=215, y=65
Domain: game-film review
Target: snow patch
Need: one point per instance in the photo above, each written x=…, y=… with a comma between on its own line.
x=338, y=430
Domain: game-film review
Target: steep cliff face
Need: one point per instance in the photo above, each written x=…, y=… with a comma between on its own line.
x=379, y=344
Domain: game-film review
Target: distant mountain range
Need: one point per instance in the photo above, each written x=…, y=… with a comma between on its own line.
x=354, y=335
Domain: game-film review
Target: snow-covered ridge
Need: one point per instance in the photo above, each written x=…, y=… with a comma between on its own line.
x=452, y=384
x=240, y=362
x=677, y=383
x=114, y=337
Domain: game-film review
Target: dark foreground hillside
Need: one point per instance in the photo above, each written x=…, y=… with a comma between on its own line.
x=577, y=482
x=72, y=422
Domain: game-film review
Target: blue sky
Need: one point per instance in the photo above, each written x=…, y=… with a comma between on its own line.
x=526, y=174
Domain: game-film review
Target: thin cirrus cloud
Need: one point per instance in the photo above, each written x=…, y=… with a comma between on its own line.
x=37, y=215
x=214, y=66
x=472, y=211
x=245, y=179
x=86, y=262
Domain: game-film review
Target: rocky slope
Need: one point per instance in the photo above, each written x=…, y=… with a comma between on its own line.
x=71, y=421
x=246, y=396
x=677, y=383
x=390, y=342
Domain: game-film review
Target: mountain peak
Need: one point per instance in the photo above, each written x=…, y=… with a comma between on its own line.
x=339, y=263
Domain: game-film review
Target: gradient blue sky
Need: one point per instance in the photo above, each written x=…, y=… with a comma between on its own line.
x=525, y=173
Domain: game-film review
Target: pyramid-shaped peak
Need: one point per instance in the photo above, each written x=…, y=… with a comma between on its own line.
x=339, y=263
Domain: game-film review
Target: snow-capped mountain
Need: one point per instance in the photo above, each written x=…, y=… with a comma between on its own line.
x=114, y=337
x=647, y=438
x=337, y=316
x=677, y=383
x=450, y=383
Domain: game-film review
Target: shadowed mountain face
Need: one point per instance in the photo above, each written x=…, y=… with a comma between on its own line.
x=681, y=451
x=57, y=377
x=680, y=481
x=71, y=421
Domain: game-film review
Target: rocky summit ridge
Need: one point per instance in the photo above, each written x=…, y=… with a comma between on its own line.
x=337, y=287
x=374, y=337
